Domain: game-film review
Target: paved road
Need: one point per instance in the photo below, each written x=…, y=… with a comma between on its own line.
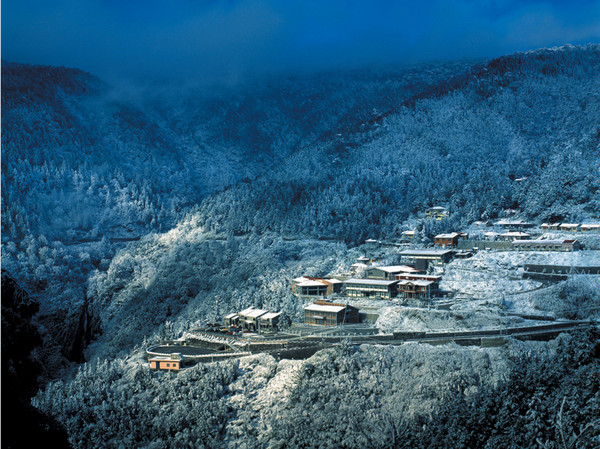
x=316, y=342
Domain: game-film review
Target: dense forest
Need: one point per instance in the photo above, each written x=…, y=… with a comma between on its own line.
x=132, y=214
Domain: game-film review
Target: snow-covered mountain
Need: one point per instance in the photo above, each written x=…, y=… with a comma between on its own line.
x=132, y=212
x=343, y=156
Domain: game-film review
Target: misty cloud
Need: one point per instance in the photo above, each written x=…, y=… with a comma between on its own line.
x=216, y=38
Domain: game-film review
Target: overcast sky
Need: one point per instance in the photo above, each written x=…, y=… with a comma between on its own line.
x=231, y=37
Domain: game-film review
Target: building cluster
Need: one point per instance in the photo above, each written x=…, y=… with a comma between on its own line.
x=382, y=282
x=517, y=239
x=572, y=227
x=253, y=319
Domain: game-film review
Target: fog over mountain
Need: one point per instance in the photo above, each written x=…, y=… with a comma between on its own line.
x=131, y=213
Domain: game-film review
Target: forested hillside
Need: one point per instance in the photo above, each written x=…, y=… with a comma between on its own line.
x=132, y=213
x=345, y=156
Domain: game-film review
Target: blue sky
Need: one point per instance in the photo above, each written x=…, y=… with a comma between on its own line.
x=233, y=37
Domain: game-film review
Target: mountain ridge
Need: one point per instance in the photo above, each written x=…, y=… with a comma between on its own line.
x=338, y=157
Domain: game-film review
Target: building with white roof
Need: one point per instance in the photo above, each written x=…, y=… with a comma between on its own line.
x=308, y=286
x=546, y=245
x=330, y=314
x=446, y=239
x=590, y=227
x=270, y=320
x=420, y=288
x=249, y=318
x=421, y=258
x=514, y=235
x=570, y=227
x=253, y=319
x=370, y=288
x=389, y=272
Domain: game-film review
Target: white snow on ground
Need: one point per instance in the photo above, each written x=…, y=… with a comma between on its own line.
x=489, y=286
x=262, y=384
x=421, y=320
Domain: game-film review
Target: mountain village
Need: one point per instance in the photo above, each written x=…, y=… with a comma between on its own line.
x=347, y=305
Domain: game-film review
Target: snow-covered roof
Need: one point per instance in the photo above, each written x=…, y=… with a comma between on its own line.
x=591, y=226
x=176, y=356
x=370, y=282
x=231, y=315
x=408, y=232
x=333, y=281
x=397, y=268
x=569, y=225
x=423, y=276
x=515, y=234
x=425, y=252
x=543, y=242
x=256, y=313
x=312, y=284
x=447, y=236
x=419, y=282
x=359, y=265
x=323, y=308
x=512, y=223
x=251, y=312
x=270, y=315
x=300, y=279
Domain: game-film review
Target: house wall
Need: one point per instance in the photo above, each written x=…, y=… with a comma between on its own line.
x=446, y=241
x=330, y=318
x=169, y=365
x=350, y=315
x=369, y=291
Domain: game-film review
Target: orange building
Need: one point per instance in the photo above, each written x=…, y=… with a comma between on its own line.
x=174, y=362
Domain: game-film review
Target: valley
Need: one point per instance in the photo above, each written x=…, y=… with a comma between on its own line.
x=137, y=217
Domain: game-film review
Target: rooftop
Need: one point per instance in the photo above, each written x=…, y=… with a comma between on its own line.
x=312, y=284
x=423, y=276
x=421, y=283
x=322, y=308
x=425, y=252
x=397, y=268
x=300, y=279
x=256, y=313
x=370, y=282
x=544, y=242
x=251, y=312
